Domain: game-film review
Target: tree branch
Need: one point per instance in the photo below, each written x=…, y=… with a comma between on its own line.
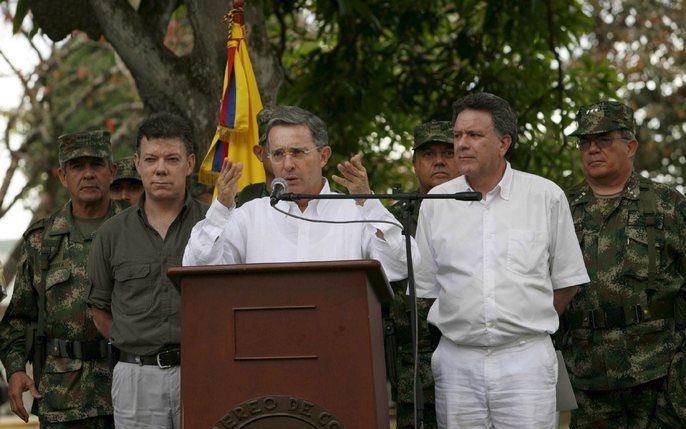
x=157, y=14
x=79, y=102
x=154, y=67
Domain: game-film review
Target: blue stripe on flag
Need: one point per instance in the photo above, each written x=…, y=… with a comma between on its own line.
x=230, y=119
x=217, y=159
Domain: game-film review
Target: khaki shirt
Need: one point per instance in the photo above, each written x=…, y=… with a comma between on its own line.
x=127, y=266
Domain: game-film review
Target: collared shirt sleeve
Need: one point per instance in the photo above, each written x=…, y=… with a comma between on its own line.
x=217, y=239
x=22, y=311
x=390, y=250
x=566, y=260
x=425, y=275
x=100, y=274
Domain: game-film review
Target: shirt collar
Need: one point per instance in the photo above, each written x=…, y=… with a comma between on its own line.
x=505, y=184
x=503, y=188
x=64, y=222
x=187, y=201
x=312, y=206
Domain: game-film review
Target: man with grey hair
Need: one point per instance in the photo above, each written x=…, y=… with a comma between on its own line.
x=501, y=270
x=298, y=150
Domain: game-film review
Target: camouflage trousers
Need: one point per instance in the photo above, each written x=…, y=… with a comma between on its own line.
x=405, y=416
x=99, y=422
x=671, y=401
x=404, y=392
x=630, y=408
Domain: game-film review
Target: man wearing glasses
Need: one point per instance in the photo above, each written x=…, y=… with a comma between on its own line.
x=297, y=146
x=623, y=332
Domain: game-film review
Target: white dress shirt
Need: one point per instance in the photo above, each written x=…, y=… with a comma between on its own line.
x=493, y=264
x=256, y=232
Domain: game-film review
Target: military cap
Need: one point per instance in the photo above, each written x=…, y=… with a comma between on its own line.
x=263, y=119
x=434, y=131
x=603, y=117
x=126, y=169
x=95, y=144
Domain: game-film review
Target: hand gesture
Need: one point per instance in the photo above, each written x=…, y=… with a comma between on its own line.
x=354, y=177
x=19, y=383
x=227, y=183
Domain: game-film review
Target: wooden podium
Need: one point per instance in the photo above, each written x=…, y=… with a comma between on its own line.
x=287, y=346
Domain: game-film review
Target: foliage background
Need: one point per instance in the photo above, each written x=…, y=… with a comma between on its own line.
x=371, y=69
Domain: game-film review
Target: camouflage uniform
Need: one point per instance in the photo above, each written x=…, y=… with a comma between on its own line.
x=620, y=331
x=397, y=325
x=251, y=192
x=76, y=392
x=399, y=337
x=126, y=169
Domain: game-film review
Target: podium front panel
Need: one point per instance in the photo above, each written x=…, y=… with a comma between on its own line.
x=312, y=336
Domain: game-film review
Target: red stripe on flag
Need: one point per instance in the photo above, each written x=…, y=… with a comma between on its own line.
x=225, y=96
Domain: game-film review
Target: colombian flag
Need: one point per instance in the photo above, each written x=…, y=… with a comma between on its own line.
x=237, y=129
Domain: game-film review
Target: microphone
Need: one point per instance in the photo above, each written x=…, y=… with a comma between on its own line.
x=279, y=187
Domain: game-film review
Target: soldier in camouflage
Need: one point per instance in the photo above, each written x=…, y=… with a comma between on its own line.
x=434, y=163
x=259, y=190
x=623, y=330
x=47, y=321
x=127, y=184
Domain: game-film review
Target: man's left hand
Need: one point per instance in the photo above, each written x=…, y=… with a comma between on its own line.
x=354, y=177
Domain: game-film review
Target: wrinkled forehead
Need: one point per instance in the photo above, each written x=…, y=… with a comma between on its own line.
x=283, y=136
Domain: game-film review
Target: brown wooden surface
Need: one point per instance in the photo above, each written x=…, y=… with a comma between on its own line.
x=306, y=330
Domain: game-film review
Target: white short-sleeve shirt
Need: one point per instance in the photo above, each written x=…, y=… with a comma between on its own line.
x=493, y=264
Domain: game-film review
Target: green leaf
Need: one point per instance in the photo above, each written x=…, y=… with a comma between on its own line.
x=19, y=15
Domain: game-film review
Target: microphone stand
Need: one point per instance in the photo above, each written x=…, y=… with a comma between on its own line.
x=408, y=202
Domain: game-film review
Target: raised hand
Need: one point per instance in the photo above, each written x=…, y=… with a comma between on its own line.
x=354, y=177
x=227, y=183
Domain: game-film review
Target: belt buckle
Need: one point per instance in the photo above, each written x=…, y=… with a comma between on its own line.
x=159, y=363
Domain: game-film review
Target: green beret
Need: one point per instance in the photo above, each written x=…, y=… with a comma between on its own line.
x=94, y=144
x=126, y=169
x=433, y=132
x=603, y=117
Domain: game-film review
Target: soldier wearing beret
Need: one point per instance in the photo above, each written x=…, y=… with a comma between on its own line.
x=127, y=184
x=623, y=331
x=47, y=321
x=433, y=159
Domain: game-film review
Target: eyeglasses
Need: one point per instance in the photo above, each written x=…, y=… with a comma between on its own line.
x=584, y=143
x=296, y=153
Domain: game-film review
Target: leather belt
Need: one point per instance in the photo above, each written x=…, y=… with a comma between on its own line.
x=619, y=317
x=84, y=350
x=164, y=359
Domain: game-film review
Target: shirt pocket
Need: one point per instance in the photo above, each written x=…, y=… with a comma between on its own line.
x=60, y=383
x=134, y=289
x=56, y=277
x=527, y=253
x=637, y=250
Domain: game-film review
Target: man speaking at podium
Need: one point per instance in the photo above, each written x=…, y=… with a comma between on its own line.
x=256, y=232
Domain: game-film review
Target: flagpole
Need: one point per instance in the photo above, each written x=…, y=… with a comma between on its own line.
x=238, y=11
